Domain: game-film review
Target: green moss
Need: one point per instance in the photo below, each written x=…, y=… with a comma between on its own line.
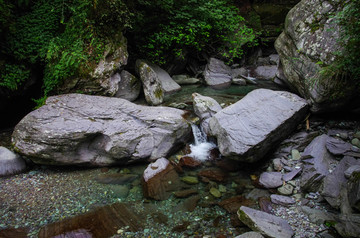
x=159, y=93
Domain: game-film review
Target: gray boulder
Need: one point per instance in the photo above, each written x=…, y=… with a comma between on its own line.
x=217, y=74
x=333, y=182
x=317, y=162
x=248, y=129
x=99, y=78
x=282, y=200
x=129, y=86
x=265, y=223
x=250, y=234
x=264, y=72
x=156, y=82
x=94, y=130
x=340, y=147
x=311, y=35
x=10, y=163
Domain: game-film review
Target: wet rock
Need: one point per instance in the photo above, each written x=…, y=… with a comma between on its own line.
x=274, y=59
x=189, y=204
x=116, y=216
x=228, y=165
x=160, y=180
x=190, y=180
x=188, y=161
x=239, y=81
x=10, y=163
x=271, y=179
x=282, y=200
x=120, y=191
x=215, y=192
x=250, y=234
x=156, y=82
x=317, y=216
x=264, y=223
x=264, y=118
x=353, y=189
x=348, y=225
x=232, y=205
x=93, y=130
x=185, y=193
x=213, y=174
x=116, y=178
x=256, y=193
x=14, y=232
x=129, y=86
x=340, y=147
x=265, y=205
x=217, y=74
x=286, y=189
x=333, y=182
x=185, y=79
x=239, y=72
x=317, y=161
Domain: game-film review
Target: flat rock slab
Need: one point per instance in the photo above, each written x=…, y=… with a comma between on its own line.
x=264, y=223
x=102, y=222
x=98, y=131
x=248, y=129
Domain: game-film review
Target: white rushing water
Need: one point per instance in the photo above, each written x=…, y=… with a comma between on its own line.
x=200, y=150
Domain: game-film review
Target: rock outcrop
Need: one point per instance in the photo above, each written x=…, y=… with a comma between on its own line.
x=308, y=45
x=217, y=74
x=10, y=163
x=95, y=130
x=99, y=80
x=156, y=82
x=248, y=129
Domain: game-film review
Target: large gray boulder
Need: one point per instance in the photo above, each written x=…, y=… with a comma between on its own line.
x=94, y=130
x=10, y=163
x=217, y=74
x=248, y=129
x=308, y=45
x=99, y=78
x=157, y=82
x=265, y=223
x=129, y=86
x=317, y=163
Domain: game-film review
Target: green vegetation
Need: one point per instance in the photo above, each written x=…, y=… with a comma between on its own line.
x=61, y=39
x=168, y=29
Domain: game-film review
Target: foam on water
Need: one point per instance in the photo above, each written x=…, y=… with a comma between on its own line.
x=200, y=150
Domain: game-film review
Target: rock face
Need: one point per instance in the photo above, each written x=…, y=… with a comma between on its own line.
x=217, y=74
x=156, y=82
x=129, y=86
x=95, y=130
x=160, y=180
x=10, y=163
x=311, y=35
x=248, y=129
x=100, y=80
x=264, y=223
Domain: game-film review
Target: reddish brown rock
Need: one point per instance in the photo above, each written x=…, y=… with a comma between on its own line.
x=185, y=193
x=233, y=204
x=228, y=164
x=265, y=205
x=188, y=161
x=102, y=222
x=160, y=179
x=12, y=233
x=213, y=174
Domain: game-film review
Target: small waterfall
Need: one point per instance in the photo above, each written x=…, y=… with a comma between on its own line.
x=200, y=150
